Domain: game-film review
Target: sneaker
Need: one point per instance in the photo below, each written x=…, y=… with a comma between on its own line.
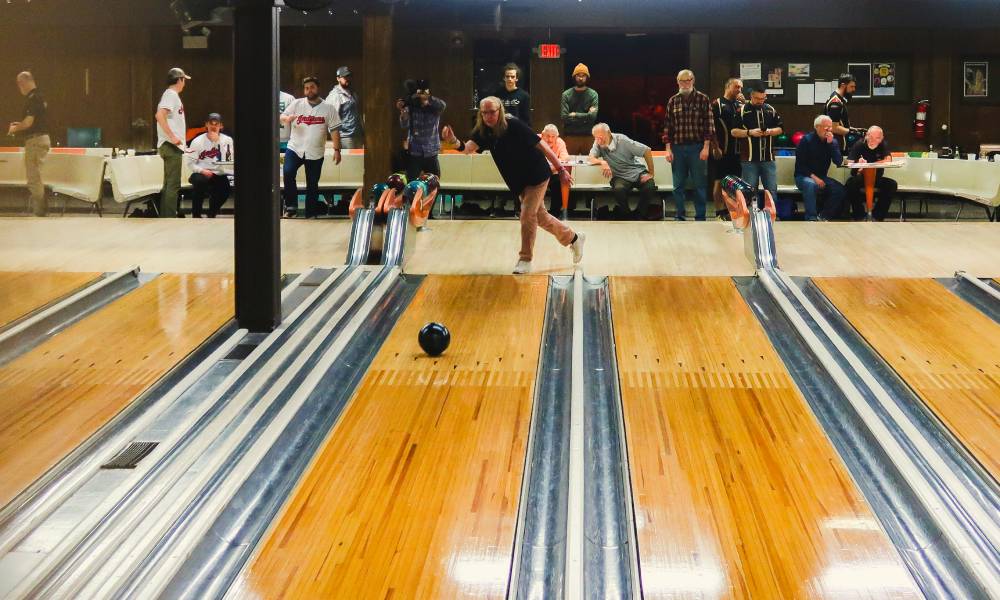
x=522, y=267
x=680, y=218
x=577, y=247
x=290, y=213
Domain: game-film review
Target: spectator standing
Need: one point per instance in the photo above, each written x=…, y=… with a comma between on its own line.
x=759, y=123
x=171, y=128
x=420, y=115
x=346, y=104
x=33, y=129
x=311, y=121
x=578, y=109
x=688, y=134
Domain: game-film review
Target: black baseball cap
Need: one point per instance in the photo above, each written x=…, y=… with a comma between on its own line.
x=213, y=117
x=344, y=72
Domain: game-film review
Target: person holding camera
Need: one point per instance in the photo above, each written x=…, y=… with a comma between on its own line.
x=420, y=115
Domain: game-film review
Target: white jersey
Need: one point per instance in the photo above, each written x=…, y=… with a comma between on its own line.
x=284, y=99
x=204, y=154
x=171, y=101
x=310, y=127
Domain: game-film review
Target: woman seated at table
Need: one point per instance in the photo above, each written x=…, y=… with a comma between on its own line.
x=550, y=135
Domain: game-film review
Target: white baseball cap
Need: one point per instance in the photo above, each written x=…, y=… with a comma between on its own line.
x=176, y=72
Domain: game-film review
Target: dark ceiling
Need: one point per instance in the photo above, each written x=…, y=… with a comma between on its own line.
x=597, y=14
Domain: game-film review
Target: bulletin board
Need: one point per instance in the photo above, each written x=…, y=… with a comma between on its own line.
x=889, y=78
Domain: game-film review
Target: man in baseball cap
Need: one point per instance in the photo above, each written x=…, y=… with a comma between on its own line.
x=171, y=127
x=209, y=158
x=347, y=110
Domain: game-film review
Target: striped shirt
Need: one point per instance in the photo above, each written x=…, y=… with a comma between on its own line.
x=724, y=112
x=764, y=117
x=689, y=119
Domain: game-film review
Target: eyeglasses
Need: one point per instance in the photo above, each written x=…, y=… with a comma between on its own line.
x=490, y=112
x=685, y=80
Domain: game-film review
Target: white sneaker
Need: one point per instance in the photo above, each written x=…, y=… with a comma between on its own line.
x=577, y=247
x=522, y=267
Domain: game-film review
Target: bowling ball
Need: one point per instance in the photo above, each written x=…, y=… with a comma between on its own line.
x=434, y=339
x=411, y=190
x=797, y=137
x=432, y=181
x=377, y=190
x=396, y=181
x=782, y=140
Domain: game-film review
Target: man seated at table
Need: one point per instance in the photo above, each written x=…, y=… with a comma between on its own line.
x=208, y=155
x=871, y=149
x=813, y=156
x=616, y=154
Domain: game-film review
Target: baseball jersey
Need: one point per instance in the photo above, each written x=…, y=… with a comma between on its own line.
x=310, y=127
x=204, y=155
x=171, y=101
x=836, y=109
x=284, y=99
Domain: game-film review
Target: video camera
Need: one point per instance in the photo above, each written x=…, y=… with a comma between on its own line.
x=411, y=87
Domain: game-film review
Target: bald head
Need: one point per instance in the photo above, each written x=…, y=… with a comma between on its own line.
x=25, y=82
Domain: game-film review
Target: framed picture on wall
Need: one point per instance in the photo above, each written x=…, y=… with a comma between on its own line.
x=863, y=75
x=975, y=79
x=884, y=79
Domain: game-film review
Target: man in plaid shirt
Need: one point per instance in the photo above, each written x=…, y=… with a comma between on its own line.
x=688, y=133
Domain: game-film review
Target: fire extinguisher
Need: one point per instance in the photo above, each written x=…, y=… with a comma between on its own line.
x=920, y=122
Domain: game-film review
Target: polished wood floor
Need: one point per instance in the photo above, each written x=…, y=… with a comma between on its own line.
x=22, y=292
x=62, y=391
x=624, y=248
x=414, y=494
x=945, y=349
x=738, y=492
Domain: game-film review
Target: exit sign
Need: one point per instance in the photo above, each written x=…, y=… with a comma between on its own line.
x=549, y=51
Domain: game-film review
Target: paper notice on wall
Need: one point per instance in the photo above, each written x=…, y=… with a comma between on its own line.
x=822, y=91
x=750, y=71
x=807, y=94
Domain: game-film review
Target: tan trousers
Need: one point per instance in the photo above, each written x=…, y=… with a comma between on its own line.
x=35, y=150
x=534, y=215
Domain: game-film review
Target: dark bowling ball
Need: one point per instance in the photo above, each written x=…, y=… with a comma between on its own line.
x=411, y=190
x=396, y=181
x=432, y=181
x=434, y=339
x=377, y=191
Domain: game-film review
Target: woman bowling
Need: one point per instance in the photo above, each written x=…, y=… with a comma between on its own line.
x=523, y=161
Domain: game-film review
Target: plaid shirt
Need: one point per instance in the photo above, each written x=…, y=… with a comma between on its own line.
x=423, y=138
x=689, y=119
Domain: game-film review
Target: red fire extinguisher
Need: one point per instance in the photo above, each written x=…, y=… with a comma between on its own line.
x=921, y=121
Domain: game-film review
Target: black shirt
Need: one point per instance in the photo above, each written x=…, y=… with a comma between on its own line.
x=860, y=149
x=516, y=155
x=836, y=109
x=761, y=117
x=724, y=112
x=35, y=106
x=517, y=103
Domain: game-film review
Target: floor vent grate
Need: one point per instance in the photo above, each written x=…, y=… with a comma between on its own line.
x=130, y=456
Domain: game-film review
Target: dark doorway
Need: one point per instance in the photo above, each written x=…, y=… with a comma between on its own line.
x=635, y=75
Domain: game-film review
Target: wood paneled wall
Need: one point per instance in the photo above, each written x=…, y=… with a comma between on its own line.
x=125, y=66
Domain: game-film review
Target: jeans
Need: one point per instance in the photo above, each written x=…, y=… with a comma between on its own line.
x=687, y=165
x=170, y=193
x=834, y=196
x=422, y=164
x=647, y=195
x=765, y=172
x=885, y=189
x=216, y=187
x=313, y=170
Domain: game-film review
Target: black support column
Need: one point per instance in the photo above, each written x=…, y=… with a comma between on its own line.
x=258, y=232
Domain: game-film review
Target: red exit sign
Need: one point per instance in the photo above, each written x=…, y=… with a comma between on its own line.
x=549, y=51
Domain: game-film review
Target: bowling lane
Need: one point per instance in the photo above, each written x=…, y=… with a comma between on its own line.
x=24, y=291
x=62, y=391
x=414, y=493
x=945, y=350
x=738, y=492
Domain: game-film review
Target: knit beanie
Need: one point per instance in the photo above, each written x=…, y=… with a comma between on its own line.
x=581, y=68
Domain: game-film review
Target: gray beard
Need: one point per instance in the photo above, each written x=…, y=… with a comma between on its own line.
x=686, y=92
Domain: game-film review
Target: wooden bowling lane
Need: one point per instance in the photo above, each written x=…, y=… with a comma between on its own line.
x=738, y=492
x=944, y=349
x=24, y=291
x=62, y=391
x=414, y=493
